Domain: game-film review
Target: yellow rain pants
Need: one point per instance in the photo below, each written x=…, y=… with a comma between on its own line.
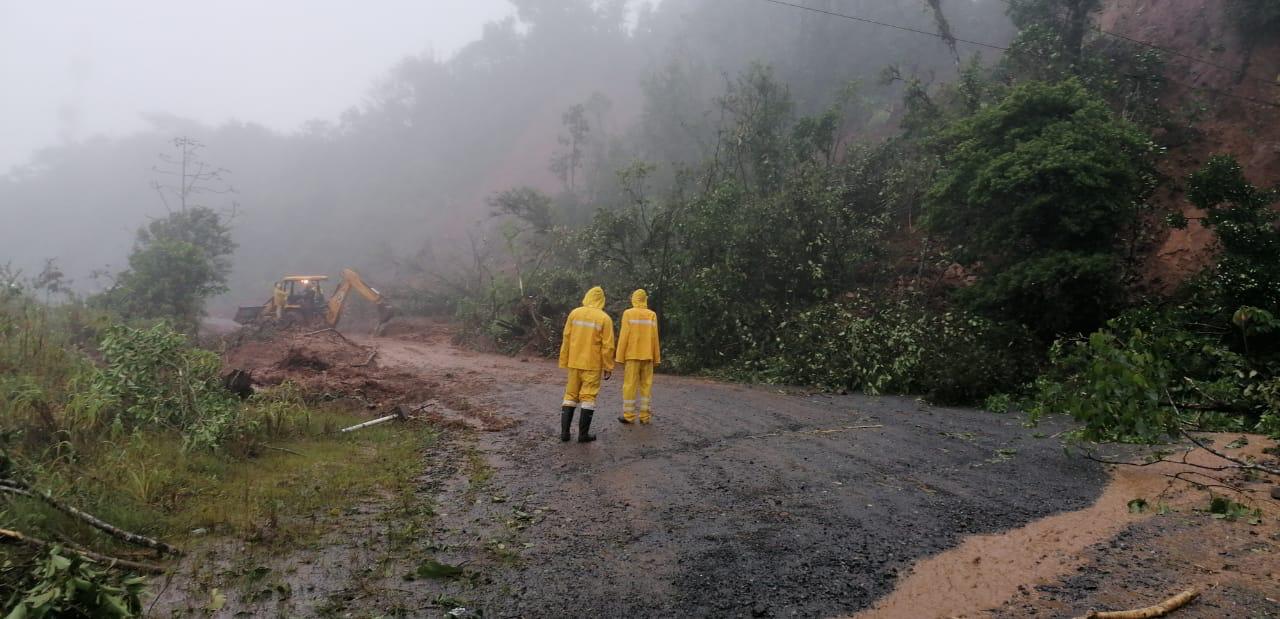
x=638, y=349
x=582, y=389
x=637, y=389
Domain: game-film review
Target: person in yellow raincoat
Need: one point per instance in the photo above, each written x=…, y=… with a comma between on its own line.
x=586, y=351
x=638, y=349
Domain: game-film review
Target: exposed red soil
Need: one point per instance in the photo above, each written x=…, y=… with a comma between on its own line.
x=324, y=364
x=1242, y=118
x=1031, y=569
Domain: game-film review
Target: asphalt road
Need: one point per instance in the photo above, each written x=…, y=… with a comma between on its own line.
x=737, y=501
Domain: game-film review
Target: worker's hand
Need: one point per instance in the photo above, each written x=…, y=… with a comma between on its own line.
x=608, y=374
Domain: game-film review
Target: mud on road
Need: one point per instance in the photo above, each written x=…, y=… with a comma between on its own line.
x=737, y=501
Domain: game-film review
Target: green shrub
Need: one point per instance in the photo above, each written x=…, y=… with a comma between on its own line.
x=67, y=585
x=178, y=263
x=1039, y=189
x=898, y=347
x=1245, y=226
x=1154, y=371
x=153, y=378
x=1061, y=292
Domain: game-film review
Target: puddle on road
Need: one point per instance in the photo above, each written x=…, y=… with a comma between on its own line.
x=986, y=570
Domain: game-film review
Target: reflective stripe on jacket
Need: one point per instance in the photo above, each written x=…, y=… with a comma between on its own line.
x=587, y=342
x=639, y=338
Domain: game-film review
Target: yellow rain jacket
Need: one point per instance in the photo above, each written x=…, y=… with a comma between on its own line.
x=587, y=342
x=639, y=338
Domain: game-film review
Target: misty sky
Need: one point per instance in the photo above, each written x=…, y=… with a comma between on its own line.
x=70, y=69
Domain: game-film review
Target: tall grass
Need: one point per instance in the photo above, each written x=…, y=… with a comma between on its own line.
x=137, y=431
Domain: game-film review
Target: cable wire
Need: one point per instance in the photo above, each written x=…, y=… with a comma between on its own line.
x=884, y=24
x=1173, y=52
x=1005, y=49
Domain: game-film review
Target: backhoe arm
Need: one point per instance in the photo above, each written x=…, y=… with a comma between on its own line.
x=351, y=280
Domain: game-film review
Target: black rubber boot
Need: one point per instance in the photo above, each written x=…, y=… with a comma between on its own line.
x=584, y=426
x=566, y=420
x=624, y=420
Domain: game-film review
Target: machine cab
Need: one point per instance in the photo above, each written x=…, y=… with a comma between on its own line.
x=302, y=293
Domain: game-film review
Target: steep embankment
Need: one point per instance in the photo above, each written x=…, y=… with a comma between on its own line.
x=1227, y=101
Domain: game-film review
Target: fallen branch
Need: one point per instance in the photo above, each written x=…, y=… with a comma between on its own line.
x=1159, y=610
x=1239, y=463
x=819, y=431
x=91, y=520
x=316, y=331
x=1220, y=483
x=93, y=556
x=366, y=361
x=288, y=451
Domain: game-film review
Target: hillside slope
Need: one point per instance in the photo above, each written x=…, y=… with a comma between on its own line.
x=1214, y=109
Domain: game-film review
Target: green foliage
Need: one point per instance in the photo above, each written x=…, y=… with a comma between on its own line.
x=178, y=263
x=1055, y=30
x=1153, y=371
x=1039, y=188
x=898, y=347
x=1241, y=217
x=752, y=259
x=68, y=585
x=1061, y=292
x=1048, y=168
x=527, y=205
x=1212, y=361
x=1052, y=46
x=1113, y=386
x=998, y=403
x=200, y=226
x=1223, y=508
x=761, y=110
x=153, y=377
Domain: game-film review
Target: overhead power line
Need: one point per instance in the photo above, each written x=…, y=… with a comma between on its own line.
x=1179, y=54
x=1173, y=52
x=1221, y=92
x=884, y=24
x=1005, y=49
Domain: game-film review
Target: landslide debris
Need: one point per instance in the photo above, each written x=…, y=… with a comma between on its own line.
x=323, y=363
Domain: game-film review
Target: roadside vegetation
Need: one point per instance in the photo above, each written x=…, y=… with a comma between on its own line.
x=978, y=241
x=107, y=409
x=990, y=251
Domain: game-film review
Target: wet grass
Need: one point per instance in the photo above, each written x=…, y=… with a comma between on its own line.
x=479, y=472
x=286, y=491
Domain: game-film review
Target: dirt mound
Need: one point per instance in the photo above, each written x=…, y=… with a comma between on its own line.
x=324, y=364
x=421, y=329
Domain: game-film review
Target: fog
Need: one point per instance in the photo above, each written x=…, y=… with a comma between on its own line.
x=77, y=68
x=371, y=135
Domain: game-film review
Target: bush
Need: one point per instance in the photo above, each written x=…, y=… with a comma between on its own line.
x=1152, y=372
x=1039, y=189
x=67, y=585
x=1062, y=292
x=899, y=347
x=154, y=378
x=1241, y=218
x=178, y=263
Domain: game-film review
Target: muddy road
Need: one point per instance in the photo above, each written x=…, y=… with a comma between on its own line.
x=736, y=501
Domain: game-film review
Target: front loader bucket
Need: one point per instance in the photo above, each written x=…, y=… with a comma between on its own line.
x=248, y=313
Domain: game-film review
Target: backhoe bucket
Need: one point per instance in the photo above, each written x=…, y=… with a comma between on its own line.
x=249, y=313
x=385, y=313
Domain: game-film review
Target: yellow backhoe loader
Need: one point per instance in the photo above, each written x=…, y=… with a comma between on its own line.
x=300, y=299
